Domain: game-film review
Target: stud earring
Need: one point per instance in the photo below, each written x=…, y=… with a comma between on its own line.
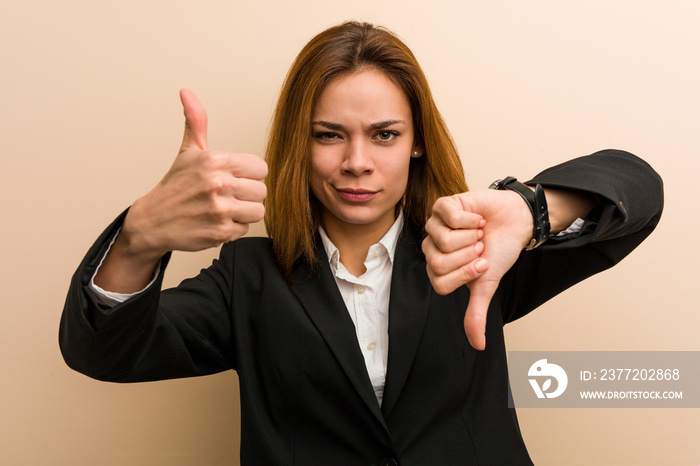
x=415, y=154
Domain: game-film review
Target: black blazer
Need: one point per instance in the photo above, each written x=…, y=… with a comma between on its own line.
x=306, y=398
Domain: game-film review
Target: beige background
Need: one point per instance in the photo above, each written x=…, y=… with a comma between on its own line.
x=91, y=120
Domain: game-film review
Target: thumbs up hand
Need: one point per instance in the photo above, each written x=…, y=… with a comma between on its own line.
x=206, y=198
x=473, y=239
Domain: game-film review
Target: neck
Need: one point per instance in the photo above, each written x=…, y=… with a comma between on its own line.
x=353, y=241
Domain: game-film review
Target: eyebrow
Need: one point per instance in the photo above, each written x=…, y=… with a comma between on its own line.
x=372, y=127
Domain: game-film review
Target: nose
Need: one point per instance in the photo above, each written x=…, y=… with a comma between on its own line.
x=358, y=159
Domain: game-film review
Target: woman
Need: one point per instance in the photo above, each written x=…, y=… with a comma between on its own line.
x=345, y=353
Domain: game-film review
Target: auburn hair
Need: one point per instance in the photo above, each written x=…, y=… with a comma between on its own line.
x=292, y=212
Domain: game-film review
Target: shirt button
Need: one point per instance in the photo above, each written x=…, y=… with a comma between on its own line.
x=371, y=346
x=361, y=290
x=376, y=252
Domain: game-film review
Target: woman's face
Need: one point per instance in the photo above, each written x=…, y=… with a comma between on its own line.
x=362, y=139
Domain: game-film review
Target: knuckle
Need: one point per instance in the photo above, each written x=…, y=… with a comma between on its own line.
x=211, y=160
x=439, y=205
x=263, y=191
x=235, y=185
x=221, y=236
x=443, y=242
x=260, y=211
x=239, y=230
x=439, y=265
x=431, y=226
x=231, y=230
x=214, y=184
x=452, y=217
x=466, y=273
x=220, y=209
x=426, y=247
x=441, y=287
x=257, y=211
x=220, y=233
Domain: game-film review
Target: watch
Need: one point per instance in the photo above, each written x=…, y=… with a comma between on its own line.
x=537, y=203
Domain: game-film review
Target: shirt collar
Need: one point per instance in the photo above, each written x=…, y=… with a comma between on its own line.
x=388, y=241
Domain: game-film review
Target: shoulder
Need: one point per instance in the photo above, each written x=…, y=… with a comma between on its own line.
x=250, y=265
x=251, y=242
x=251, y=248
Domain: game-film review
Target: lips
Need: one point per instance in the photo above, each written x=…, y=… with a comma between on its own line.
x=356, y=195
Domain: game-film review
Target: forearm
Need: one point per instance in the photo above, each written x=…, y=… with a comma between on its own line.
x=565, y=206
x=628, y=193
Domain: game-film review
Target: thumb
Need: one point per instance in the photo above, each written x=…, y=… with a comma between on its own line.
x=195, y=136
x=480, y=294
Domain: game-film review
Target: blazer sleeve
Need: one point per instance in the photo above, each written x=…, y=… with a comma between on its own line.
x=182, y=332
x=630, y=202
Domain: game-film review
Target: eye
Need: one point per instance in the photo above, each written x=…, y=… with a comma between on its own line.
x=386, y=136
x=327, y=136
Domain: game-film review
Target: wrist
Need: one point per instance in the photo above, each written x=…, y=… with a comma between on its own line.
x=536, y=201
x=128, y=265
x=133, y=251
x=122, y=271
x=138, y=238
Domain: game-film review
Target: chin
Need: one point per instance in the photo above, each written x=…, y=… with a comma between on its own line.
x=361, y=218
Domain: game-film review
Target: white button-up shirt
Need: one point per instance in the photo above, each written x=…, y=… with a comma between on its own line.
x=367, y=300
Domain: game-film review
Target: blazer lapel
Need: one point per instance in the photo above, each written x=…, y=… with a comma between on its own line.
x=319, y=295
x=408, y=310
